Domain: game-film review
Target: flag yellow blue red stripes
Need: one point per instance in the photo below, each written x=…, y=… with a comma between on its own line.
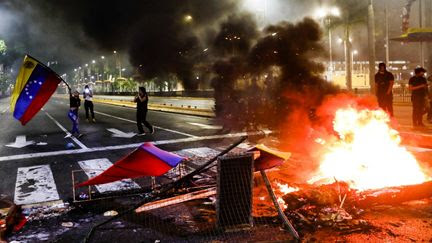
x=35, y=84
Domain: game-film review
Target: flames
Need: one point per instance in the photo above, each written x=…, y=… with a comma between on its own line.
x=366, y=152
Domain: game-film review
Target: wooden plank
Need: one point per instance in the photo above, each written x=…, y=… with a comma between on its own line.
x=177, y=199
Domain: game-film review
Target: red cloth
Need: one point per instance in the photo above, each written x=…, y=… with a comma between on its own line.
x=147, y=160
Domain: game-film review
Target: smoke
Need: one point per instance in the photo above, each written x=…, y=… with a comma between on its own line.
x=276, y=78
x=158, y=36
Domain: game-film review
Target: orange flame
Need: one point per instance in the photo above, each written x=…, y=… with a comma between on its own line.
x=367, y=153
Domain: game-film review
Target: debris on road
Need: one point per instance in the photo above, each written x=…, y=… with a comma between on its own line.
x=48, y=211
x=67, y=224
x=110, y=213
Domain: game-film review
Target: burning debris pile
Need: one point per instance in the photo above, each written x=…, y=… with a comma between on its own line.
x=356, y=161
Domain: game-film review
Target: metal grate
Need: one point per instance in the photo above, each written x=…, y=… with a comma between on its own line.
x=234, y=191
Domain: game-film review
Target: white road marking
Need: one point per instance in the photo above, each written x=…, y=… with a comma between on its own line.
x=119, y=134
x=94, y=167
x=35, y=184
x=20, y=142
x=126, y=146
x=161, y=128
x=66, y=131
x=205, y=126
x=3, y=111
x=202, y=152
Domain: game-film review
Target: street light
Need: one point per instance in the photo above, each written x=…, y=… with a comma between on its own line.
x=188, y=18
x=325, y=14
x=103, y=67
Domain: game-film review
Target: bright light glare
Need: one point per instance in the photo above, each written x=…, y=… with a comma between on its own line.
x=188, y=18
x=335, y=11
x=320, y=13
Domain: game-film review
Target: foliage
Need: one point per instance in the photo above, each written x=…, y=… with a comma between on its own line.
x=3, y=47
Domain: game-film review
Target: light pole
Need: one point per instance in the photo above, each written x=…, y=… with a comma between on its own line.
x=353, y=53
x=103, y=67
x=118, y=63
x=326, y=14
x=88, y=70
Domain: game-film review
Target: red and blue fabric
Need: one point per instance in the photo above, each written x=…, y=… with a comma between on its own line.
x=147, y=160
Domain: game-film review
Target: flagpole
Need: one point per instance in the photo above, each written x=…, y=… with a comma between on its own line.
x=45, y=66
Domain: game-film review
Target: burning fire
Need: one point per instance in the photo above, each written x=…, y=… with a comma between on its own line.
x=367, y=153
x=284, y=189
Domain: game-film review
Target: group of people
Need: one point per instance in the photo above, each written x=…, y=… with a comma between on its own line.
x=418, y=86
x=75, y=102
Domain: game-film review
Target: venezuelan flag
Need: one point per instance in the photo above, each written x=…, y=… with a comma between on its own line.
x=147, y=160
x=34, y=86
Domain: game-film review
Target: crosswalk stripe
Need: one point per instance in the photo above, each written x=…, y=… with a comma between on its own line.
x=35, y=184
x=94, y=167
x=202, y=152
x=197, y=155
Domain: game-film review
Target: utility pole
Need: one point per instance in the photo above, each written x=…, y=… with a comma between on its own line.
x=428, y=23
x=348, y=63
x=421, y=26
x=371, y=46
x=330, y=48
x=387, y=43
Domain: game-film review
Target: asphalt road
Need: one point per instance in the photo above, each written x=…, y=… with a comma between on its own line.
x=40, y=171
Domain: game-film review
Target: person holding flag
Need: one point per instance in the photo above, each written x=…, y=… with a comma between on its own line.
x=74, y=103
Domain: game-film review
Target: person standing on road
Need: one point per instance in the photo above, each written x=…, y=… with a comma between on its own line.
x=142, y=107
x=88, y=103
x=75, y=103
x=384, y=81
x=418, y=87
x=429, y=115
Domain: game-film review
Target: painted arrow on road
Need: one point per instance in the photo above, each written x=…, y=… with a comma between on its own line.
x=119, y=134
x=20, y=142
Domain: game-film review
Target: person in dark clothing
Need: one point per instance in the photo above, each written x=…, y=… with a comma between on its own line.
x=384, y=81
x=88, y=103
x=418, y=87
x=429, y=115
x=74, y=103
x=142, y=107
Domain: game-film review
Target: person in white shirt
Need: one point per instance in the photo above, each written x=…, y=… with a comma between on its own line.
x=88, y=103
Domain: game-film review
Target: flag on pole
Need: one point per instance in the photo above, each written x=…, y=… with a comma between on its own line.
x=34, y=85
x=147, y=160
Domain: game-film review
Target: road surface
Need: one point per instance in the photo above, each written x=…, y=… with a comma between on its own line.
x=36, y=164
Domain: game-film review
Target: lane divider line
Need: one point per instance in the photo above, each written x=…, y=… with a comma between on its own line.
x=127, y=146
x=161, y=128
x=66, y=131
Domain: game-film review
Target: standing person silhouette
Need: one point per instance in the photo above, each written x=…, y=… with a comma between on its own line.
x=88, y=103
x=74, y=104
x=142, y=107
x=384, y=81
x=419, y=89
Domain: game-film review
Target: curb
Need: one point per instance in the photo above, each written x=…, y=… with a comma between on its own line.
x=156, y=107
